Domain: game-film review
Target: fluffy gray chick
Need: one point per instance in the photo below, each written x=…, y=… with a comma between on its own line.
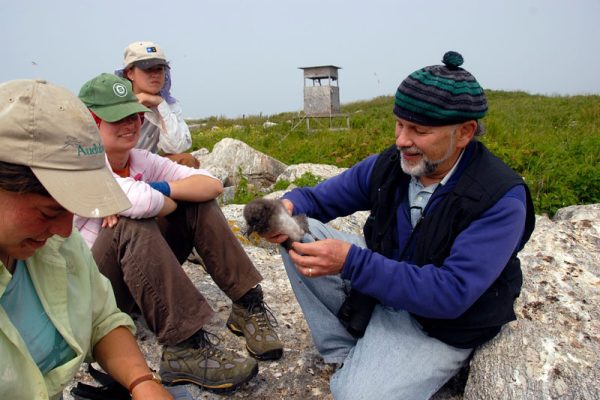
x=266, y=215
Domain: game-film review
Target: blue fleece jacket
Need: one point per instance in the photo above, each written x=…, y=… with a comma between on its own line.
x=477, y=257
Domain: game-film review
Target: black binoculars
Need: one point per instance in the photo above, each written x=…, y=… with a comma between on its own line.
x=355, y=312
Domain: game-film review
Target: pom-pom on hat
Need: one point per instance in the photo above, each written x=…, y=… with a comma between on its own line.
x=441, y=94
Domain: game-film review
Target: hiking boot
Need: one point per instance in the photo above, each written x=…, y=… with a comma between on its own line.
x=199, y=361
x=251, y=317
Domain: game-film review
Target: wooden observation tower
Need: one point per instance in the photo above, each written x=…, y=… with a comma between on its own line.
x=322, y=99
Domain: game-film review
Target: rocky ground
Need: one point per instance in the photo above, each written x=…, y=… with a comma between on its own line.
x=300, y=373
x=550, y=352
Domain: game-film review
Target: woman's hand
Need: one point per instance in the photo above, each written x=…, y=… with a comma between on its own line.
x=119, y=355
x=184, y=159
x=149, y=100
x=110, y=221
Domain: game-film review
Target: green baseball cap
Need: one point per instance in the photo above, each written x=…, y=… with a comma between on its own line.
x=110, y=97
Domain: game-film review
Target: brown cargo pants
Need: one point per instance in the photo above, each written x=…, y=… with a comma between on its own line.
x=142, y=258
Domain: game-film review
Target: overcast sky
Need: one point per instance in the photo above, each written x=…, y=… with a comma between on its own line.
x=234, y=57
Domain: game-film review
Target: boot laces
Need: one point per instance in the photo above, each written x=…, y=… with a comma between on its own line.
x=262, y=313
x=207, y=342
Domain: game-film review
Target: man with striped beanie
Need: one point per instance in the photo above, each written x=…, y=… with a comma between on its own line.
x=436, y=272
x=441, y=95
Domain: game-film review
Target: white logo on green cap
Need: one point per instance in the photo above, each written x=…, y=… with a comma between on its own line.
x=120, y=89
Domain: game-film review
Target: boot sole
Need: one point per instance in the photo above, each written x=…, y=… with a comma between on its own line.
x=180, y=378
x=269, y=355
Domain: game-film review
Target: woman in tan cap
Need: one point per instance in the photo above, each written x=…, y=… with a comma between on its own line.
x=164, y=129
x=56, y=309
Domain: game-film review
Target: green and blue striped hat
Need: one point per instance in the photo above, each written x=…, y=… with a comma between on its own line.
x=441, y=94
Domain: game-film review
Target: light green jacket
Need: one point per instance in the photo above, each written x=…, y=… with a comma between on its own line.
x=79, y=301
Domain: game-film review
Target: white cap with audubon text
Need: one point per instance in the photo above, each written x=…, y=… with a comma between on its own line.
x=47, y=128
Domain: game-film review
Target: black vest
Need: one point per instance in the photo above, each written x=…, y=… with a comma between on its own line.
x=482, y=180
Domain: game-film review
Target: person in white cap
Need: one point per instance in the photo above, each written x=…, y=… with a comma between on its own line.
x=56, y=308
x=164, y=130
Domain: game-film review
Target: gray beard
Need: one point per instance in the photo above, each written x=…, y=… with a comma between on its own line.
x=425, y=166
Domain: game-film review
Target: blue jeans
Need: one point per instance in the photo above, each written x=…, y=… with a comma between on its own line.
x=395, y=359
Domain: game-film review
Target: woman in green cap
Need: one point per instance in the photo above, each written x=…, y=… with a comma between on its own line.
x=141, y=251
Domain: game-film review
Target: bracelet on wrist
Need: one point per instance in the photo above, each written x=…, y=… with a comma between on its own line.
x=151, y=376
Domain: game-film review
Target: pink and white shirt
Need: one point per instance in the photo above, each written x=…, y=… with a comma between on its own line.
x=145, y=201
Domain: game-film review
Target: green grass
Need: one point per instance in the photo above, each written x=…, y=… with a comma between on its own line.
x=553, y=142
x=307, y=179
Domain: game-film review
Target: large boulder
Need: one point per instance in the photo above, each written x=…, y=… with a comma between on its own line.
x=553, y=349
x=236, y=157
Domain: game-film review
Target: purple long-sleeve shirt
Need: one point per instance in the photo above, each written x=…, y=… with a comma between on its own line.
x=476, y=259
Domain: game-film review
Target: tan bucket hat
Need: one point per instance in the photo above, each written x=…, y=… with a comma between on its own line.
x=47, y=128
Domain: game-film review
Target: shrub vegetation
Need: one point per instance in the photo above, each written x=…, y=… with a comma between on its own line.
x=553, y=142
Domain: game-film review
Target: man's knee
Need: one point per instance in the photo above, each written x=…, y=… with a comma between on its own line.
x=343, y=388
x=357, y=386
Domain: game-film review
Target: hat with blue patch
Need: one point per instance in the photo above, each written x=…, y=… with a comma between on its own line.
x=46, y=127
x=144, y=55
x=441, y=94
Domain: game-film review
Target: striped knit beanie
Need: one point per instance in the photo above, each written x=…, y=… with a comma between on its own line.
x=440, y=94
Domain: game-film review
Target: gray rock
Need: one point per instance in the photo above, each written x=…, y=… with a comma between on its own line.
x=227, y=196
x=217, y=171
x=237, y=157
x=577, y=213
x=352, y=223
x=552, y=350
x=324, y=171
x=277, y=194
x=200, y=152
